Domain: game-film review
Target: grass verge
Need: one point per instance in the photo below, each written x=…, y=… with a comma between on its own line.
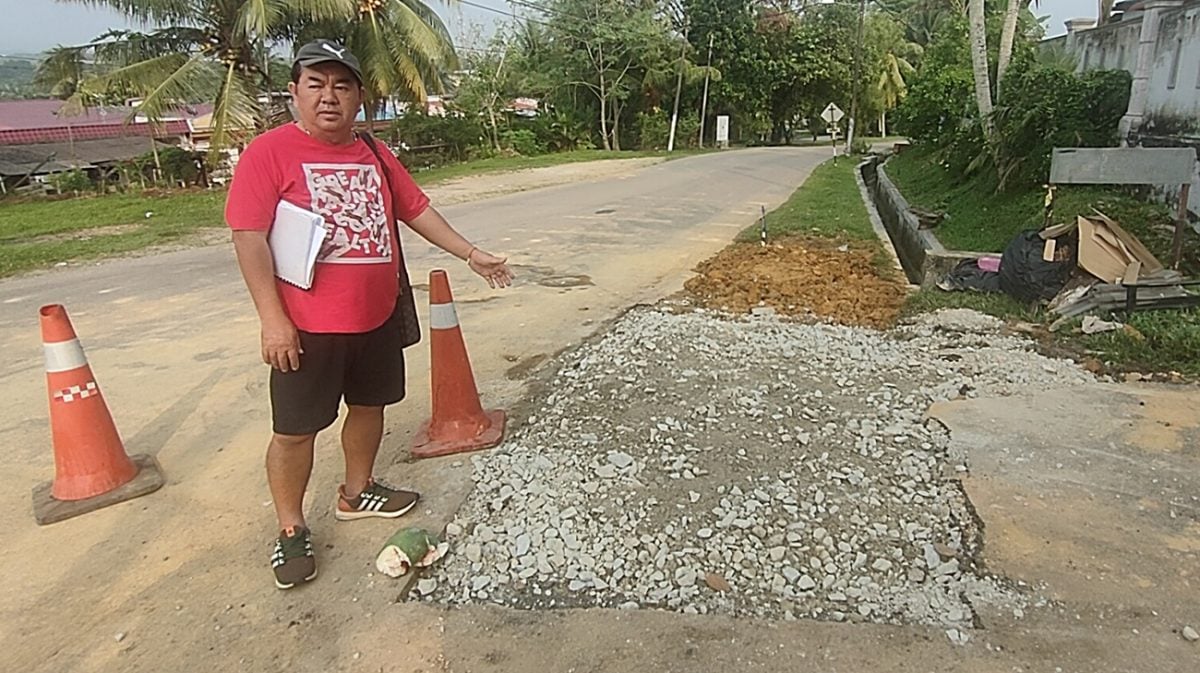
x=980, y=219
x=827, y=205
x=37, y=234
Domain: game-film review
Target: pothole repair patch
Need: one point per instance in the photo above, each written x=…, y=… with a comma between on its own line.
x=702, y=463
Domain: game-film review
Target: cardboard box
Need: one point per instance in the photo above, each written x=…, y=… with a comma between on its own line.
x=1107, y=251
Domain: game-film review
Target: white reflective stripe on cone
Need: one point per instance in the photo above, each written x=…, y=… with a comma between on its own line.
x=64, y=356
x=442, y=316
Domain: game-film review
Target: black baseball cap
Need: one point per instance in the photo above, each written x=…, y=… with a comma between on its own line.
x=328, y=51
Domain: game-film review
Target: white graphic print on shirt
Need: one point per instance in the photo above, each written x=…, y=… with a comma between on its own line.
x=349, y=197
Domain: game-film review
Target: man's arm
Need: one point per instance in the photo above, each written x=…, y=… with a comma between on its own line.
x=280, y=340
x=434, y=228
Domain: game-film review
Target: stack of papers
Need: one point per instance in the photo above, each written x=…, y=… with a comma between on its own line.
x=295, y=239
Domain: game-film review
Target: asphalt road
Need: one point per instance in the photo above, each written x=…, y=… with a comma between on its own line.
x=173, y=341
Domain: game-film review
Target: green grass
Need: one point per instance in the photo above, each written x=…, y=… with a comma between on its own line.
x=1000, y=305
x=827, y=204
x=1167, y=340
x=981, y=219
x=38, y=233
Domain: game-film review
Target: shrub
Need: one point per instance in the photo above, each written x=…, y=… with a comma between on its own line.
x=654, y=130
x=73, y=180
x=452, y=137
x=1046, y=107
x=556, y=131
x=1042, y=106
x=523, y=141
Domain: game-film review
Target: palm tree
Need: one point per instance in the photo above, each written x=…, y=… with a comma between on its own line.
x=1008, y=35
x=404, y=47
x=219, y=50
x=892, y=85
x=60, y=71
x=979, y=64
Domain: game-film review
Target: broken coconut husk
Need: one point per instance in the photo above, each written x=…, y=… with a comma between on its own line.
x=407, y=548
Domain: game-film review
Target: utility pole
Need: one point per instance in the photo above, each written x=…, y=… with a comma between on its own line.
x=704, y=100
x=678, y=88
x=855, y=85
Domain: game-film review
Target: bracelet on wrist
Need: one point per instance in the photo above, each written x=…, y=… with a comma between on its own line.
x=469, y=253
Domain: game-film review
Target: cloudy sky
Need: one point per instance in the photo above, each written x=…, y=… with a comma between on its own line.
x=35, y=25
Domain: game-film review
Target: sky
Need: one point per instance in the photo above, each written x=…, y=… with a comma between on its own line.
x=35, y=25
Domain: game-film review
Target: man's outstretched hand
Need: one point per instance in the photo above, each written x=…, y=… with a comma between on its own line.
x=493, y=269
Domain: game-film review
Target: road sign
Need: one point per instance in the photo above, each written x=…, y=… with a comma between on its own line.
x=832, y=114
x=723, y=131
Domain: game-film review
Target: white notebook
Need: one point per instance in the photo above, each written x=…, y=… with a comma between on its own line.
x=295, y=239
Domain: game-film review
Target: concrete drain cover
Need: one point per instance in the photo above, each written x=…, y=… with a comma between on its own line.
x=742, y=466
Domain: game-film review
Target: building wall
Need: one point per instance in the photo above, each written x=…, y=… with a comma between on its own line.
x=1172, y=115
x=1174, y=86
x=1175, y=75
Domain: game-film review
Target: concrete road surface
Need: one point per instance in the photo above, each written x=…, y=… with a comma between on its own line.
x=179, y=579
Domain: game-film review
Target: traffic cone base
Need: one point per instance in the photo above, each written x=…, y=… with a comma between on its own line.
x=48, y=509
x=426, y=447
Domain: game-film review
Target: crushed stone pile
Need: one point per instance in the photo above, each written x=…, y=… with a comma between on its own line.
x=692, y=461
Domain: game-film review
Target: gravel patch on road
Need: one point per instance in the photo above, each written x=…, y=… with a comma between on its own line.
x=694, y=461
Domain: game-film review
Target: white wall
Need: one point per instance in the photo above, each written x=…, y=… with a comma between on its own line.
x=1115, y=47
x=1178, y=50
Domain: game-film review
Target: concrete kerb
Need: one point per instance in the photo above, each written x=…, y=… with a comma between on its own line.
x=918, y=251
x=873, y=213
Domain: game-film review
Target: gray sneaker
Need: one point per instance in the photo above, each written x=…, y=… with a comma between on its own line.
x=376, y=500
x=293, y=561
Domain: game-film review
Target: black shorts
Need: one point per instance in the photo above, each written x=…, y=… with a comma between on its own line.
x=365, y=369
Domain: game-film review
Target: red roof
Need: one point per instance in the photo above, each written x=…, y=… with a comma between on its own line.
x=39, y=121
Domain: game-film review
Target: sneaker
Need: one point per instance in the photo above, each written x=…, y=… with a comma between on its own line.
x=293, y=561
x=377, y=499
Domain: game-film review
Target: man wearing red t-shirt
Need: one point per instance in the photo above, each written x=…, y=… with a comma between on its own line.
x=344, y=337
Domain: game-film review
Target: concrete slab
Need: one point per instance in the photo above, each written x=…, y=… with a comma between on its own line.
x=1091, y=492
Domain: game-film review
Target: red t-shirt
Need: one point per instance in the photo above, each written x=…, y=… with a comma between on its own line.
x=355, y=283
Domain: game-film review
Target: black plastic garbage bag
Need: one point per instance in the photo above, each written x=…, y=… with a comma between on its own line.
x=1027, y=277
x=968, y=276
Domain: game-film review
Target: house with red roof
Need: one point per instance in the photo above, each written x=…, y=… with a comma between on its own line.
x=42, y=137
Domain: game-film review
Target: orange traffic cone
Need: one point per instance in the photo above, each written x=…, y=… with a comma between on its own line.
x=459, y=422
x=91, y=469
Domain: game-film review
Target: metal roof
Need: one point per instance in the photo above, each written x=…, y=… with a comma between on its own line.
x=17, y=160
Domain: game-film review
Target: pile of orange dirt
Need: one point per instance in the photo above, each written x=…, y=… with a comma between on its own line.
x=800, y=276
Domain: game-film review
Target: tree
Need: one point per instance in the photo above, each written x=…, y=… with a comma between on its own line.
x=922, y=19
x=892, y=59
x=219, y=50
x=403, y=46
x=486, y=86
x=979, y=65
x=606, y=47
x=60, y=71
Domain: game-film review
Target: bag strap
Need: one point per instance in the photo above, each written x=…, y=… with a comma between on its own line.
x=387, y=175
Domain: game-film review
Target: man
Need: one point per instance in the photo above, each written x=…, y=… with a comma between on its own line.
x=343, y=338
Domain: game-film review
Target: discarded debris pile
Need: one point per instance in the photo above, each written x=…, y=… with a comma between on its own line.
x=800, y=276
x=1090, y=265
x=1122, y=273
